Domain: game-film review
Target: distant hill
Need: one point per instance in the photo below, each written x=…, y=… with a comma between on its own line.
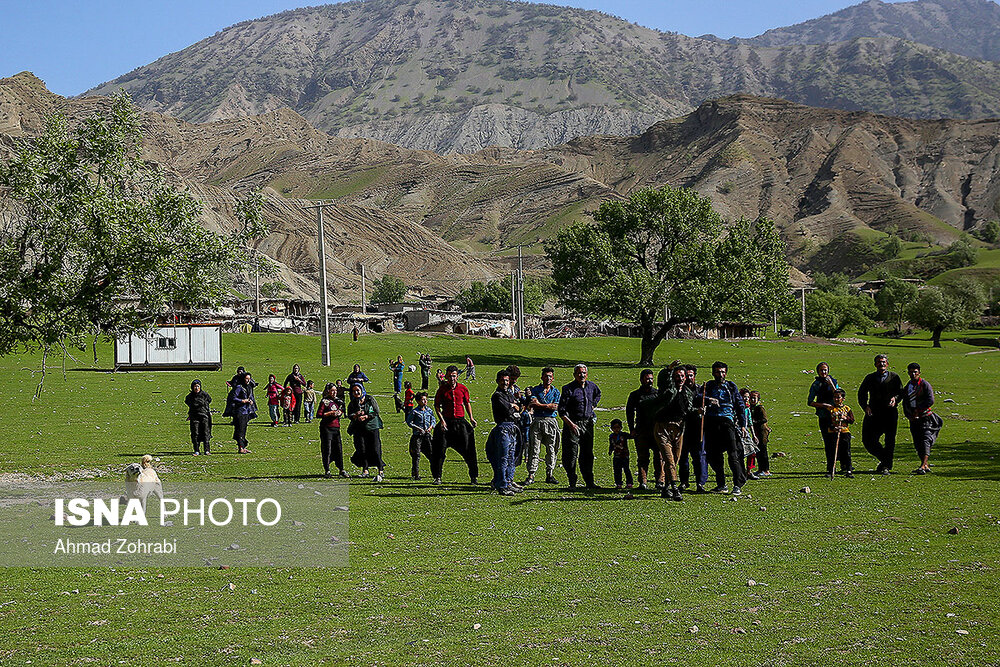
x=461, y=75
x=836, y=183
x=967, y=27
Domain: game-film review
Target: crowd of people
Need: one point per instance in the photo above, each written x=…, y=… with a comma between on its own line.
x=683, y=428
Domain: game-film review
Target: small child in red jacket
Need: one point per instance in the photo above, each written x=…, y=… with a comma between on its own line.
x=287, y=405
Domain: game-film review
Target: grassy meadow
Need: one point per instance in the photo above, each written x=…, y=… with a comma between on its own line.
x=857, y=571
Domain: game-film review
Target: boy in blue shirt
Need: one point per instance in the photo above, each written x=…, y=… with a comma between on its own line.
x=421, y=420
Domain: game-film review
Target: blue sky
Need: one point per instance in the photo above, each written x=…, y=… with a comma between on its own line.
x=74, y=45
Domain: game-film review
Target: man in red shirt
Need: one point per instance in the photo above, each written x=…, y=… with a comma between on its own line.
x=451, y=403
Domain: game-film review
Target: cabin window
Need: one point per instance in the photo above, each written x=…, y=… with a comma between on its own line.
x=166, y=343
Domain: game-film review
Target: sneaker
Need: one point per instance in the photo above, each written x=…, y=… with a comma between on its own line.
x=676, y=496
x=766, y=473
x=665, y=492
x=618, y=487
x=753, y=476
x=328, y=474
x=474, y=481
x=642, y=486
x=737, y=490
x=886, y=471
x=849, y=474
x=364, y=473
x=196, y=453
x=722, y=488
x=378, y=478
x=700, y=489
x=507, y=492
x=437, y=481
x=659, y=486
x=343, y=473
x=529, y=480
x=684, y=486
x=515, y=489
x=208, y=453
x=921, y=471
x=550, y=479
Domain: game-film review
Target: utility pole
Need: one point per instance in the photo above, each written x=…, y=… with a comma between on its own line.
x=256, y=282
x=324, y=315
x=803, y=312
x=364, y=303
x=513, y=301
x=520, y=294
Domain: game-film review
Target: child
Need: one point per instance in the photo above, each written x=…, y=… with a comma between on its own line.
x=762, y=430
x=470, y=368
x=748, y=436
x=618, y=450
x=841, y=418
x=274, y=399
x=288, y=404
x=309, y=401
x=409, y=399
x=421, y=420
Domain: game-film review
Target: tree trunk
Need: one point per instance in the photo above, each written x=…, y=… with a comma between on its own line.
x=936, y=336
x=651, y=339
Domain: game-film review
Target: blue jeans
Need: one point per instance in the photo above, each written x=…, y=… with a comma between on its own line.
x=397, y=382
x=307, y=409
x=500, y=453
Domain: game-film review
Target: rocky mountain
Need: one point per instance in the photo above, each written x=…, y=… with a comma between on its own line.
x=833, y=181
x=966, y=27
x=462, y=75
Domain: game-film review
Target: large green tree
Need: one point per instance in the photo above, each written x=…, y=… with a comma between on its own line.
x=388, y=289
x=494, y=296
x=668, y=249
x=95, y=242
x=893, y=299
x=954, y=306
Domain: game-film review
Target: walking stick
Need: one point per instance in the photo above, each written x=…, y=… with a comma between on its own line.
x=836, y=449
x=701, y=436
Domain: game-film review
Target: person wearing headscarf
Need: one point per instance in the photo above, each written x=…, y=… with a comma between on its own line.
x=366, y=424
x=329, y=412
x=199, y=417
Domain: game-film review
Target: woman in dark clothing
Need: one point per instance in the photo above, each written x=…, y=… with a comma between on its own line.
x=329, y=412
x=357, y=376
x=297, y=382
x=200, y=417
x=244, y=409
x=365, y=425
x=763, y=432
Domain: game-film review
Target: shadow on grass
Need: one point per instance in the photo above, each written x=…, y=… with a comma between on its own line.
x=966, y=460
x=527, y=362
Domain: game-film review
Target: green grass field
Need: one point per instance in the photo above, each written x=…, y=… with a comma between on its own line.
x=858, y=571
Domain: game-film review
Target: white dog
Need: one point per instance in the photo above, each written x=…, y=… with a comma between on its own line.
x=142, y=480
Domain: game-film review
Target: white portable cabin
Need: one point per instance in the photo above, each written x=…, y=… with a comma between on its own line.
x=174, y=347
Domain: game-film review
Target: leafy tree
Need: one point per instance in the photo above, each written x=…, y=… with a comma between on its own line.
x=494, y=296
x=962, y=252
x=85, y=223
x=388, y=289
x=990, y=233
x=273, y=289
x=833, y=307
x=664, y=249
x=953, y=307
x=893, y=300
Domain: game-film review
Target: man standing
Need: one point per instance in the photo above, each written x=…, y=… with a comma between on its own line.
x=451, y=403
x=918, y=397
x=576, y=407
x=641, y=431
x=878, y=396
x=425, y=370
x=723, y=414
x=694, y=444
x=671, y=409
x=544, y=428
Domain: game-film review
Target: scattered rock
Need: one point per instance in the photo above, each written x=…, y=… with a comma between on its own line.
x=297, y=523
x=223, y=567
x=256, y=661
x=693, y=629
x=962, y=632
x=805, y=489
x=476, y=626
x=751, y=582
x=739, y=631
x=233, y=547
x=763, y=509
x=953, y=531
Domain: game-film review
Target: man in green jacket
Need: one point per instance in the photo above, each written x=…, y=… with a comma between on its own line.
x=668, y=411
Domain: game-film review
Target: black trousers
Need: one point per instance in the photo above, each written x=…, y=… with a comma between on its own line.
x=201, y=431
x=331, y=447
x=693, y=446
x=721, y=440
x=621, y=466
x=420, y=443
x=297, y=410
x=843, y=451
x=425, y=377
x=240, y=430
x=579, y=448
x=644, y=450
x=873, y=428
x=461, y=437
